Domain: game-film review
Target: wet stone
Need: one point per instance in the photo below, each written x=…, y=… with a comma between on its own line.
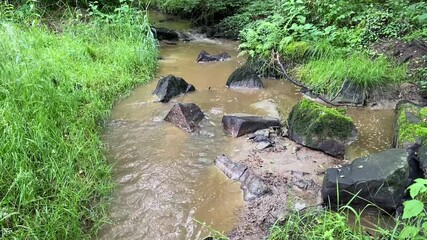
x=185, y=116
x=206, y=57
x=240, y=124
x=171, y=86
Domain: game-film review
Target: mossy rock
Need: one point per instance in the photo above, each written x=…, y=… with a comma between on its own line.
x=323, y=128
x=411, y=125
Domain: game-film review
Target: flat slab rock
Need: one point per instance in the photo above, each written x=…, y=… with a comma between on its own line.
x=185, y=116
x=239, y=124
x=380, y=178
x=252, y=185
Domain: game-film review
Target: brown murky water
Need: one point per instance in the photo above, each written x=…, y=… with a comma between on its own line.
x=166, y=179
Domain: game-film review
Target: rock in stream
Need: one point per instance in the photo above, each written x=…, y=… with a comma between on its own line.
x=171, y=86
x=185, y=116
x=206, y=57
x=239, y=124
x=251, y=184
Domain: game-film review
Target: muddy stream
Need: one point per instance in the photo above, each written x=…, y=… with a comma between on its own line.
x=166, y=179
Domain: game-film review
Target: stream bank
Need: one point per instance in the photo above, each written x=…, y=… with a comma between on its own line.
x=166, y=176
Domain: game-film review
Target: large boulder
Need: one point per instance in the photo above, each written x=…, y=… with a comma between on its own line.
x=165, y=34
x=252, y=185
x=410, y=131
x=380, y=178
x=206, y=57
x=185, y=115
x=244, y=77
x=171, y=86
x=239, y=124
x=321, y=128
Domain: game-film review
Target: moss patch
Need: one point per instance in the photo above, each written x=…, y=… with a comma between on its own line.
x=317, y=122
x=411, y=124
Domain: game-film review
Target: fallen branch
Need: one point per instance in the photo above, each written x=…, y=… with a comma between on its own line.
x=282, y=69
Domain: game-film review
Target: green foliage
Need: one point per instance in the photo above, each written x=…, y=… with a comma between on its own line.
x=327, y=76
x=316, y=224
x=414, y=212
x=55, y=90
x=408, y=130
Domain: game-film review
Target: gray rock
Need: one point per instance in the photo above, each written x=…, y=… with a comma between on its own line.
x=350, y=95
x=252, y=186
x=240, y=124
x=263, y=145
x=185, y=115
x=244, y=77
x=322, y=128
x=233, y=170
x=380, y=178
x=171, y=86
x=206, y=57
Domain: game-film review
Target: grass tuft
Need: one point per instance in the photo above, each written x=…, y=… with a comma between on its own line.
x=55, y=90
x=327, y=76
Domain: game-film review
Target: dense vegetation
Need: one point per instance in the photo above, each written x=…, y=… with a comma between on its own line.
x=326, y=42
x=56, y=87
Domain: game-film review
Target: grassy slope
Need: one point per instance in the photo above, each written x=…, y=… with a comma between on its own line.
x=54, y=91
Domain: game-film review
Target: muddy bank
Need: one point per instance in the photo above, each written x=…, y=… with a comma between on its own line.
x=294, y=174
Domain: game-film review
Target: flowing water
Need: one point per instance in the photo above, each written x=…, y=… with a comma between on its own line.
x=167, y=182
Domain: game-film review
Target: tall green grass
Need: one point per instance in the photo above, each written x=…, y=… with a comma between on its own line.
x=328, y=75
x=55, y=90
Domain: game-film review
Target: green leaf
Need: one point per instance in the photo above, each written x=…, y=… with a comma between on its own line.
x=425, y=227
x=409, y=232
x=421, y=181
x=412, y=208
x=415, y=189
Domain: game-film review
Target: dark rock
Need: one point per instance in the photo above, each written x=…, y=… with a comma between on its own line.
x=320, y=127
x=185, y=115
x=171, y=86
x=244, y=77
x=233, y=170
x=165, y=34
x=206, y=57
x=350, y=95
x=240, y=124
x=380, y=178
x=252, y=186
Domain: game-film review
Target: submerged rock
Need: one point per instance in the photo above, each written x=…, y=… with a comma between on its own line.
x=321, y=128
x=410, y=131
x=233, y=170
x=171, y=86
x=380, y=178
x=244, y=77
x=165, y=34
x=251, y=184
x=185, y=115
x=239, y=124
x=206, y=57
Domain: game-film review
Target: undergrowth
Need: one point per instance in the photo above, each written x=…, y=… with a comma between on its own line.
x=55, y=90
x=328, y=75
